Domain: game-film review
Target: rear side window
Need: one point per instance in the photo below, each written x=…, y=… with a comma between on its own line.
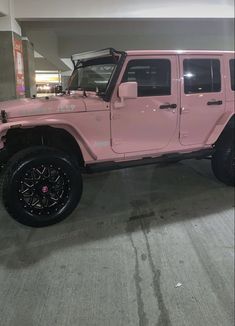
x=232, y=73
x=202, y=76
x=153, y=76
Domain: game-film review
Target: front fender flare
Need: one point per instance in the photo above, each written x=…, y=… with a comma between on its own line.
x=86, y=150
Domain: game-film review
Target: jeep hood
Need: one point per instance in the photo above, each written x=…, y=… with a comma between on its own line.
x=39, y=107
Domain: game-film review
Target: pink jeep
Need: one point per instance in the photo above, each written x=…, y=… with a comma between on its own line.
x=122, y=109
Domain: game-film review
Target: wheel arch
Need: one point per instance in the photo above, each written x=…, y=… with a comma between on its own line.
x=59, y=136
x=228, y=131
x=224, y=127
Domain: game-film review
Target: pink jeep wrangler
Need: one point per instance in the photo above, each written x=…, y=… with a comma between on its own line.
x=122, y=109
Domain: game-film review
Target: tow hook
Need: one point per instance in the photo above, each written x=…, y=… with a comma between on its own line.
x=3, y=116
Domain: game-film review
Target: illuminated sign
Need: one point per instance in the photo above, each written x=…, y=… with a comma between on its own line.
x=47, y=78
x=19, y=67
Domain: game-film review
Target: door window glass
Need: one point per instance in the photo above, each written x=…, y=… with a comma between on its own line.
x=232, y=73
x=202, y=76
x=152, y=76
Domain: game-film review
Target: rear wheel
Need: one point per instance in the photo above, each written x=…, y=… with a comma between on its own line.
x=223, y=162
x=41, y=186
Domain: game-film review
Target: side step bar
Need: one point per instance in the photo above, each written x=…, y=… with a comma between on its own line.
x=166, y=158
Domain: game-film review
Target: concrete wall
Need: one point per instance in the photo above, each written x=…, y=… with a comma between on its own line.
x=123, y=8
x=4, y=7
x=7, y=67
x=142, y=34
x=8, y=22
x=44, y=64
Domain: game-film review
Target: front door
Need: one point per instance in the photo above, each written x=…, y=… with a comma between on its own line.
x=148, y=122
x=202, y=97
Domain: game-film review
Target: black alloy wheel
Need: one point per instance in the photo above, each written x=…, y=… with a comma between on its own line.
x=42, y=186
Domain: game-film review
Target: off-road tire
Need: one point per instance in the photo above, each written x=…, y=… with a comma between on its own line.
x=61, y=183
x=223, y=162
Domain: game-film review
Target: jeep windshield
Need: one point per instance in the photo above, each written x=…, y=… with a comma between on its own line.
x=93, y=75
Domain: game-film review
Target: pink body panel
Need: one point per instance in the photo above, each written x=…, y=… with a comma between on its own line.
x=43, y=107
x=140, y=128
x=197, y=118
x=140, y=125
x=90, y=129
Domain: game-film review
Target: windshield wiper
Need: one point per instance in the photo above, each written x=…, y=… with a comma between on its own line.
x=83, y=91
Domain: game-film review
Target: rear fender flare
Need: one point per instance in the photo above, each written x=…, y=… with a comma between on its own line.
x=221, y=125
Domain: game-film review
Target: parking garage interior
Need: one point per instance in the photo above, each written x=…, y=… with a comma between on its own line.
x=151, y=245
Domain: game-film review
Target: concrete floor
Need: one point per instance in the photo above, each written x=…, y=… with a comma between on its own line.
x=118, y=259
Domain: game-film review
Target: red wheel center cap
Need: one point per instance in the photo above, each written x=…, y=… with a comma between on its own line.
x=45, y=189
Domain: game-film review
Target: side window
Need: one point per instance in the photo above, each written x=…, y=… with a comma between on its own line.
x=202, y=76
x=232, y=73
x=153, y=76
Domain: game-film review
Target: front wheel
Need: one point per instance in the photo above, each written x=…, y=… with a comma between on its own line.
x=223, y=163
x=41, y=186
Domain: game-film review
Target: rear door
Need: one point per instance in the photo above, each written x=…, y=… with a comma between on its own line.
x=202, y=96
x=230, y=84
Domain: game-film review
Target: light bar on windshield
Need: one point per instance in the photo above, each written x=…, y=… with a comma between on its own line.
x=85, y=56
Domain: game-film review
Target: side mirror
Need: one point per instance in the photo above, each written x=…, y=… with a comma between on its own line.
x=128, y=90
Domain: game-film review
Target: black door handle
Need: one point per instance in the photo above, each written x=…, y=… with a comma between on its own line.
x=215, y=103
x=168, y=106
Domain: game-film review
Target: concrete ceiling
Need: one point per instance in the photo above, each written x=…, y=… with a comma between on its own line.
x=60, y=39
x=42, y=64
x=60, y=29
x=54, y=9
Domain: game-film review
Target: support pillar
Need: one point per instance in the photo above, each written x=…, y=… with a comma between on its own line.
x=16, y=58
x=11, y=55
x=29, y=68
x=7, y=67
